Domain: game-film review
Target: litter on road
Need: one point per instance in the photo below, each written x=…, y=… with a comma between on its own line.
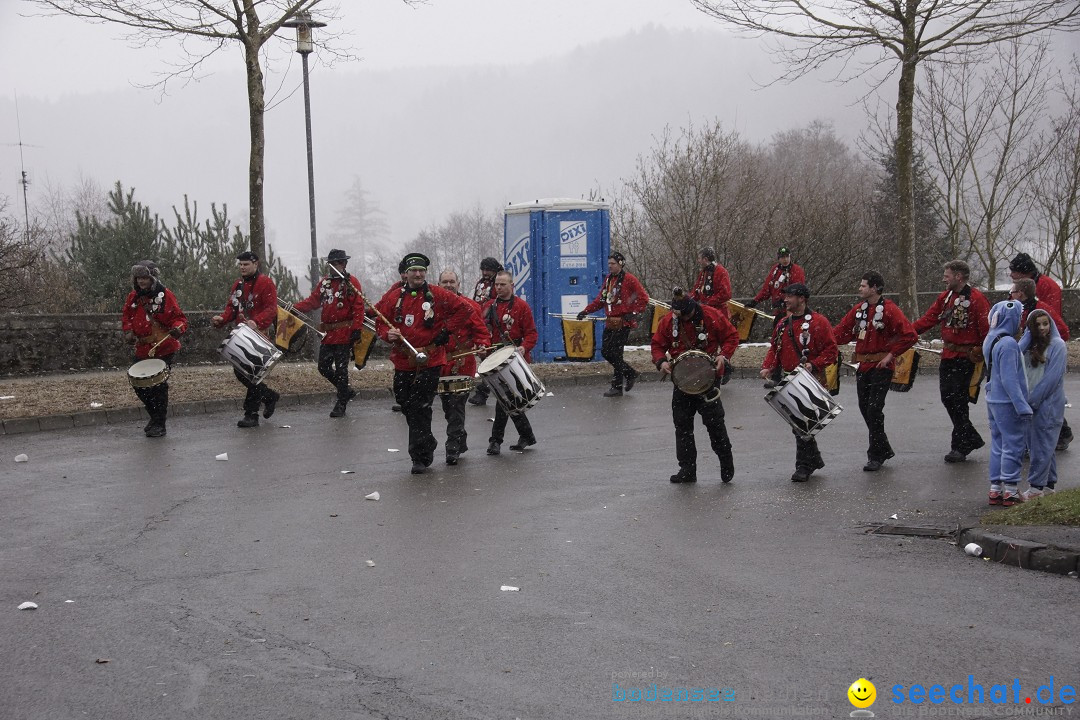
x=28, y=606
x=372, y=496
x=222, y=456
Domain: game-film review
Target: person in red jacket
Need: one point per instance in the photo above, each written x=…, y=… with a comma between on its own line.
x=510, y=320
x=963, y=313
x=152, y=320
x=622, y=298
x=1025, y=291
x=804, y=338
x=342, y=319
x=881, y=334
x=453, y=404
x=713, y=286
x=693, y=326
x=425, y=316
x=782, y=274
x=483, y=291
x=252, y=300
x=1046, y=287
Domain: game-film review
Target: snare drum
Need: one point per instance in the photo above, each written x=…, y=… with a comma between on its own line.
x=250, y=353
x=803, y=402
x=693, y=372
x=148, y=373
x=452, y=384
x=511, y=380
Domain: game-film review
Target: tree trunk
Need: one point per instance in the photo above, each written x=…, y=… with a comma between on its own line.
x=905, y=188
x=256, y=107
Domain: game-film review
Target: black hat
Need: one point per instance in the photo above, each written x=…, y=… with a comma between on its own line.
x=797, y=289
x=337, y=256
x=783, y=251
x=1023, y=263
x=490, y=263
x=401, y=268
x=248, y=255
x=681, y=302
x=139, y=270
x=618, y=257
x=415, y=260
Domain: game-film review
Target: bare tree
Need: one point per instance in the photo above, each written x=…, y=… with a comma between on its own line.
x=361, y=229
x=983, y=120
x=873, y=34
x=461, y=241
x=1056, y=190
x=212, y=25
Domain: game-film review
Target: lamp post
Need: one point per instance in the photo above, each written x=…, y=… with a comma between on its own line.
x=303, y=23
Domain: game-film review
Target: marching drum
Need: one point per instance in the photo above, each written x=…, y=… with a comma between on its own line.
x=452, y=384
x=509, y=377
x=803, y=402
x=148, y=373
x=693, y=372
x=250, y=353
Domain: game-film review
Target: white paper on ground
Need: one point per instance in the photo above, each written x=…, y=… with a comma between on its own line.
x=21, y=458
x=510, y=588
x=28, y=606
x=372, y=496
x=222, y=456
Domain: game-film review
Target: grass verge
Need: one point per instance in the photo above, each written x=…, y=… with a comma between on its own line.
x=1061, y=508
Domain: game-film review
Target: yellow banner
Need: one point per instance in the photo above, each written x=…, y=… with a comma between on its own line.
x=363, y=346
x=579, y=339
x=905, y=370
x=288, y=325
x=742, y=318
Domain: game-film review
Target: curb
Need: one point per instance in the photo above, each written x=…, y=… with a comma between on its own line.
x=1023, y=554
x=114, y=416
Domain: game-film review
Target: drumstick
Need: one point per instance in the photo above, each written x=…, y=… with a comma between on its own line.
x=154, y=347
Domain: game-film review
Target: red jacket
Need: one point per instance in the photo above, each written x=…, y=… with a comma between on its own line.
x=511, y=321
x=465, y=365
x=149, y=317
x=964, y=325
x=721, y=336
x=788, y=343
x=448, y=310
x=1062, y=328
x=713, y=288
x=889, y=332
x=342, y=305
x=1047, y=290
x=630, y=299
x=252, y=298
x=779, y=277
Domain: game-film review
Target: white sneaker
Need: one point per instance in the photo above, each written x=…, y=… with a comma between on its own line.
x=1048, y=490
x=1031, y=494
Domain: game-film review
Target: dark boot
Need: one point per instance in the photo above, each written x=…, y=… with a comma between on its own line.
x=270, y=403
x=685, y=475
x=339, y=410
x=248, y=421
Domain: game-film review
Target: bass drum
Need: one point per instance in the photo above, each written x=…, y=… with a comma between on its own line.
x=803, y=402
x=511, y=380
x=250, y=353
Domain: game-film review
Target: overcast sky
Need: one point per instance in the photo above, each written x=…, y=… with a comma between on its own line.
x=48, y=57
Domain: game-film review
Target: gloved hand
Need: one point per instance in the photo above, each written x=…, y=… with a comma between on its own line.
x=751, y=304
x=176, y=332
x=442, y=337
x=354, y=336
x=581, y=315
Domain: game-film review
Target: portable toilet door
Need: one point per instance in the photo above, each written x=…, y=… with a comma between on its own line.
x=557, y=251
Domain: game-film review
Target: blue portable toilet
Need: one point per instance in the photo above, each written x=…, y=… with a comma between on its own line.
x=557, y=250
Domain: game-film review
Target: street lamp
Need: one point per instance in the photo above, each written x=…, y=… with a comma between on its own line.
x=303, y=23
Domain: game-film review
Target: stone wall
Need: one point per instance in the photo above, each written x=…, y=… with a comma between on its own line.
x=59, y=343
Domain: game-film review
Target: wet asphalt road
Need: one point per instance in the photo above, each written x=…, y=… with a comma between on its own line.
x=240, y=589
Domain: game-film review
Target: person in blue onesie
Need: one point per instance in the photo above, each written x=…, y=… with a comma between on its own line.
x=1044, y=355
x=1006, y=402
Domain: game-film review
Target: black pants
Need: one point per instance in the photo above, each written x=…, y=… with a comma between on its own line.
x=498, y=429
x=453, y=406
x=156, y=398
x=611, y=349
x=872, y=387
x=256, y=394
x=807, y=455
x=683, y=409
x=334, y=366
x=954, y=377
x=414, y=392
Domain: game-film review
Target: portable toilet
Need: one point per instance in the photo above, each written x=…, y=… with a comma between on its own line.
x=557, y=249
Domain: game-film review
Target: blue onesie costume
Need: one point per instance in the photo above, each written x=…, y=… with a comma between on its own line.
x=1006, y=402
x=1046, y=395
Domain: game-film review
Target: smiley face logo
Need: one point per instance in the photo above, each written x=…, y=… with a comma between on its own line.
x=862, y=693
